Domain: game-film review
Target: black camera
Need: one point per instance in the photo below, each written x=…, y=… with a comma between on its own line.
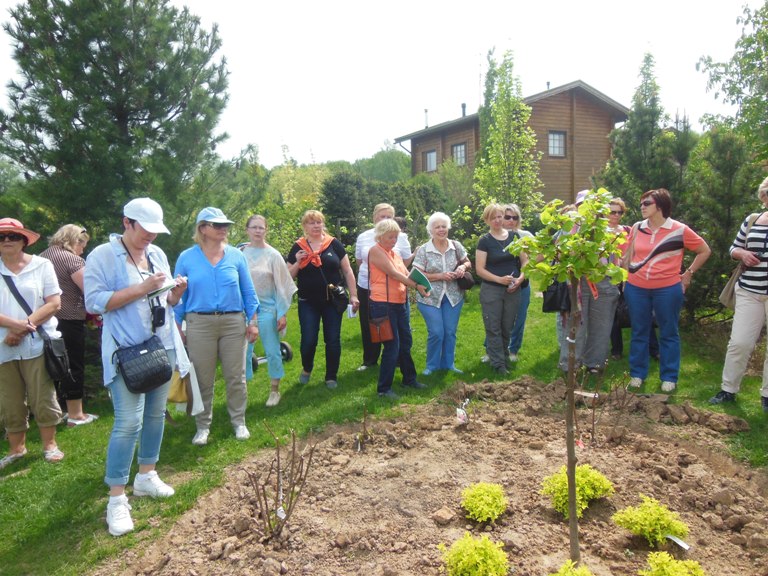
x=158, y=316
x=337, y=291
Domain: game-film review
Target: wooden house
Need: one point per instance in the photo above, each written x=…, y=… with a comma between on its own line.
x=572, y=124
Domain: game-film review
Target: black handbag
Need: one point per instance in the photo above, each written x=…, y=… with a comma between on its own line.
x=145, y=366
x=339, y=298
x=622, y=312
x=54, y=349
x=556, y=298
x=467, y=281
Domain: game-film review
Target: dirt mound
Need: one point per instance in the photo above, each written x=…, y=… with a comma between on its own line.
x=383, y=510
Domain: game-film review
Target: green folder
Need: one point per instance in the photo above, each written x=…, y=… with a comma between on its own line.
x=418, y=276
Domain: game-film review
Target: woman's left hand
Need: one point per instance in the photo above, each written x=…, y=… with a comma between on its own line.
x=422, y=290
x=282, y=322
x=355, y=303
x=685, y=279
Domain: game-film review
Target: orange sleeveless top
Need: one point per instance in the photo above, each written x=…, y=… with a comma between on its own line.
x=378, y=280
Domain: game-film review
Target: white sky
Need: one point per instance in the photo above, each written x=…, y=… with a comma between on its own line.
x=337, y=79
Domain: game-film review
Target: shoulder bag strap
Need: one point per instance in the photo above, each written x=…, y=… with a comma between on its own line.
x=23, y=303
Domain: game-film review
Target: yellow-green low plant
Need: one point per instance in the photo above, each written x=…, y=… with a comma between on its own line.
x=651, y=520
x=570, y=569
x=470, y=556
x=484, y=501
x=662, y=564
x=590, y=485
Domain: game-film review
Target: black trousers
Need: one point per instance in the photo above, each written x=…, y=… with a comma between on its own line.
x=371, y=350
x=73, y=333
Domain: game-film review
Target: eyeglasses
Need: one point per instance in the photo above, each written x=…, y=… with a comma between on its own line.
x=509, y=217
x=617, y=212
x=13, y=237
x=256, y=227
x=218, y=225
x=647, y=203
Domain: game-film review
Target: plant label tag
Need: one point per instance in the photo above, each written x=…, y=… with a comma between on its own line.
x=351, y=312
x=677, y=541
x=280, y=513
x=461, y=416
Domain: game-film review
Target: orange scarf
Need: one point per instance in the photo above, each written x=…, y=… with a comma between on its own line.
x=314, y=256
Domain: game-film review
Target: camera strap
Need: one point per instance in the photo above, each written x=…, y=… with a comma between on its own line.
x=152, y=305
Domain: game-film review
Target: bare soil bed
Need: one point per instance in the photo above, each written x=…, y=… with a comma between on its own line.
x=382, y=511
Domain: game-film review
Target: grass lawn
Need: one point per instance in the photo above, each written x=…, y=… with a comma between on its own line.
x=52, y=516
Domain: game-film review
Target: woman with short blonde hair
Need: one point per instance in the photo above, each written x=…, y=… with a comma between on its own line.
x=65, y=251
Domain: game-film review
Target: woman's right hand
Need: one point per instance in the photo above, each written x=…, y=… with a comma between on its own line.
x=749, y=258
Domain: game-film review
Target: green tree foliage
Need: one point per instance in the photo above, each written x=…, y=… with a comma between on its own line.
x=721, y=190
x=508, y=168
x=641, y=147
x=341, y=203
x=456, y=182
x=116, y=99
x=743, y=80
x=387, y=165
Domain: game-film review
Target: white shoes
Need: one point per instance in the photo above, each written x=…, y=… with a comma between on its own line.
x=119, y=515
x=274, y=398
x=635, y=382
x=241, y=432
x=668, y=386
x=201, y=437
x=484, y=359
x=149, y=484
x=512, y=357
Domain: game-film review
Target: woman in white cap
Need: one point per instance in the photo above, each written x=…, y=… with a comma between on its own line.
x=25, y=383
x=220, y=308
x=119, y=276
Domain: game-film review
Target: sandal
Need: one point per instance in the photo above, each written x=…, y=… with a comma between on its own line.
x=71, y=422
x=54, y=455
x=11, y=458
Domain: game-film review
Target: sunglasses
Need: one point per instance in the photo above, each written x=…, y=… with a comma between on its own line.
x=13, y=237
x=617, y=212
x=218, y=225
x=508, y=217
x=647, y=203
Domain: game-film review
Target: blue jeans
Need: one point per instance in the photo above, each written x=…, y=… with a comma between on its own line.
x=397, y=350
x=665, y=304
x=441, y=333
x=516, y=336
x=138, y=417
x=309, y=321
x=270, y=339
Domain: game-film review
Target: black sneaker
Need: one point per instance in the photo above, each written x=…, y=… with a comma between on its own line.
x=389, y=395
x=416, y=384
x=764, y=401
x=724, y=396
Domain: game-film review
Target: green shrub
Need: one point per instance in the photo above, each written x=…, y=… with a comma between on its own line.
x=484, y=501
x=570, y=569
x=475, y=557
x=590, y=485
x=651, y=520
x=662, y=564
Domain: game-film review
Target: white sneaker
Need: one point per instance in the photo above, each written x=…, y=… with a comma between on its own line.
x=668, y=386
x=241, y=432
x=362, y=368
x=635, y=382
x=484, y=359
x=149, y=484
x=119, y=516
x=274, y=398
x=201, y=437
x=512, y=357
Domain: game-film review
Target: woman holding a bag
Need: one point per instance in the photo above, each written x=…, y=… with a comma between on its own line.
x=24, y=382
x=389, y=283
x=751, y=308
x=119, y=278
x=320, y=264
x=442, y=261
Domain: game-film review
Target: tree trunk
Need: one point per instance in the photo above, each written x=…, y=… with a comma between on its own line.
x=570, y=425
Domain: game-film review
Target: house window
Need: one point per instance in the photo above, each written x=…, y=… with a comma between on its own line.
x=459, y=153
x=557, y=144
x=430, y=161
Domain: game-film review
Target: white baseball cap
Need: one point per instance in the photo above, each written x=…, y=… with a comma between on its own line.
x=147, y=213
x=213, y=215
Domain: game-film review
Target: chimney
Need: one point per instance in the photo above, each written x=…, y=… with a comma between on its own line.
x=426, y=118
x=547, y=85
x=463, y=109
